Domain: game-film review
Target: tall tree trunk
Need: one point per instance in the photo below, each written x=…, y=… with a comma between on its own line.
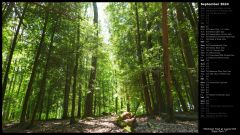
x=14, y=42
x=72, y=120
x=39, y=103
x=140, y=61
x=89, y=97
x=184, y=71
x=189, y=15
x=148, y=38
x=35, y=64
x=160, y=105
x=187, y=50
x=166, y=62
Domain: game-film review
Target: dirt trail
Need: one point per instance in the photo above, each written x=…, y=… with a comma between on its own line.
x=103, y=124
x=100, y=125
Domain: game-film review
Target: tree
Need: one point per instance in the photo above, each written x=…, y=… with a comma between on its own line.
x=166, y=63
x=14, y=42
x=57, y=65
x=190, y=63
x=89, y=98
x=72, y=120
x=143, y=75
x=155, y=71
x=190, y=15
x=41, y=94
x=35, y=64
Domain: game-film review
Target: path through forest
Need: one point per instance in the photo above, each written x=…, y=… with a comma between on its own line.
x=97, y=58
x=105, y=124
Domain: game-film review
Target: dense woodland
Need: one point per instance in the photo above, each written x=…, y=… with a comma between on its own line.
x=56, y=65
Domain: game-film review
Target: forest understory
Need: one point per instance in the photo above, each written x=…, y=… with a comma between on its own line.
x=99, y=67
x=104, y=124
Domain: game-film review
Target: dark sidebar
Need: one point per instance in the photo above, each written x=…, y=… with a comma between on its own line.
x=218, y=67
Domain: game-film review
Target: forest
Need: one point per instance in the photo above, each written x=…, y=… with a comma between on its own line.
x=99, y=67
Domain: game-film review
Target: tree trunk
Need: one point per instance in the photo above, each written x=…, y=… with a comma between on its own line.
x=89, y=97
x=189, y=15
x=187, y=50
x=72, y=120
x=143, y=75
x=14, y=42
x=166, y=62
x=35, y=64
x=184, y=71
x=159, y=107
x=39, y=103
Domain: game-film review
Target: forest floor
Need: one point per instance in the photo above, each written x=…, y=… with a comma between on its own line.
x=104, y=124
